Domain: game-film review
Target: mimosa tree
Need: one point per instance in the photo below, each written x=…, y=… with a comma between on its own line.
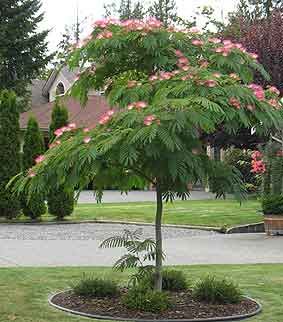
x=167, y=88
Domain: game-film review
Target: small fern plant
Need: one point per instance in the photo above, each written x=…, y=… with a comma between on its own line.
x=139, y=253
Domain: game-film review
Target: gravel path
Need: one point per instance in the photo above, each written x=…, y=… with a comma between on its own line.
x=87, y=232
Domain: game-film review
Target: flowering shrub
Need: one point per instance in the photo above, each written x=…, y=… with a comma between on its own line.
x=168, y=87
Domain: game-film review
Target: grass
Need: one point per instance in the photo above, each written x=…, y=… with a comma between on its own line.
x=24, y=291
x=214, y=213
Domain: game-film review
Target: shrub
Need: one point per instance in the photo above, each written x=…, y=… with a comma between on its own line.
x=145, y=299
x=272, y=204
x=60, y=202
x=95, y=287
x=33, y=147
x=214, y=291
x=9, y=152
x=172, y=280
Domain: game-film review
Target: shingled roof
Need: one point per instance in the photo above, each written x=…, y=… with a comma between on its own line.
x=82, y=116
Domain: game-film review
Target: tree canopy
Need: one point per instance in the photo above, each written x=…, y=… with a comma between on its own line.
x=167, y=88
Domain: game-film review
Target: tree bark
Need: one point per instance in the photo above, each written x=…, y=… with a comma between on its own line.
x=158, y=239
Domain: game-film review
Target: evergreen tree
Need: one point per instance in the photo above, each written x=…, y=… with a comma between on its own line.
x=128, y=9
x=9, y=152
x=60, y=201
x=164, y=10
x=33, y=147
x=23, y=50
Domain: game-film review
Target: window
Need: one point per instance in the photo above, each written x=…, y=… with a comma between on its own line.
x=60, y=89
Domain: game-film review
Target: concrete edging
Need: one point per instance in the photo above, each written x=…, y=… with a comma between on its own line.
x=105, y=317
x=249, y=228
x=113, y=222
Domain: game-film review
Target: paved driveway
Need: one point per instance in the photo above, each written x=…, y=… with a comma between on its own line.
x=77, y=245
x=111, y=196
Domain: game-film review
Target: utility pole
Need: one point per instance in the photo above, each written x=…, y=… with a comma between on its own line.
x=77, y=27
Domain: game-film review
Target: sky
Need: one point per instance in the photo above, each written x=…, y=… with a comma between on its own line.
x=59, y=13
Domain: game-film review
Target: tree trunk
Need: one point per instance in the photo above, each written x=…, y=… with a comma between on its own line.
x=158, y=238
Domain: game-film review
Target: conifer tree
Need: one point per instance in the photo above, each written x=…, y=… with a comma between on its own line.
x=60, y=201
x=33, y=147
x=9, y=152
x=164, y=10
x=127, y=9
x=23, y=50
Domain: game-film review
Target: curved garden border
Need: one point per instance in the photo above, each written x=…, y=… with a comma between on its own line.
x=105, y=317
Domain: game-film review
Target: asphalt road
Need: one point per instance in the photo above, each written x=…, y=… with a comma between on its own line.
x=78, y=245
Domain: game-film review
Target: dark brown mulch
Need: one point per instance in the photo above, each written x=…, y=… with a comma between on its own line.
x=184, y=307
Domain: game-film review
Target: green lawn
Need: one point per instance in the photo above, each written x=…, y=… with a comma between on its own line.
x=215, y=213
x=24, y=291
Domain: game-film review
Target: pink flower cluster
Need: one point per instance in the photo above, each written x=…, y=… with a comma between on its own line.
x=39, y=159
x=197, y=42
x=105, y=118
x=70, y=127
x=274, y=90
x=137, y=105
x=133, y=83
x=228, y=46
x=130, y=24
x=258, y=166
x=148, y=120
x=31, y=173
x=235, y=102
x=258, y=91
x=183, y=62
x=87, y=139
x=52, y=145
x=106, y=34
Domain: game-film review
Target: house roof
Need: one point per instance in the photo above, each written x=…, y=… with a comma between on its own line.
x=37, y=97
x=82, y=116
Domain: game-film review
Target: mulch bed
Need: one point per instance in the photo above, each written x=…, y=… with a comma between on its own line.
x=184, y=307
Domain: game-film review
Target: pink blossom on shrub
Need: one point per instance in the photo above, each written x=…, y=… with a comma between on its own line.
x=86, y=130
x=197, y=42
x=273, y=89
x=258, y=166
x=31, y=173
x=214, y=40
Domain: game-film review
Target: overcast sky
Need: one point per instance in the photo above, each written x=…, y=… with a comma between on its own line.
x=59, y=13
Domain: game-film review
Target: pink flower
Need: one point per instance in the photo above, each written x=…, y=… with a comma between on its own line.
x=104, y=119
x=87, y=139
x=234, y=76
x=227, y=42
x=197, y=42
x=148, y=120
x=253, y=55
x=86, y=130
x=178, y=53
x=214, y=40
x=141, y=104
x=183, y=60
x=153, y=78
x=154, y=23
x=235, y=102
x=101, y=23
x=204, y=63
x=259, y=95
x=210, y=83
x=105, y=35
x=185, y=68
x=110, y=112
x=274, y=90
x=258, y=166
x=216, y=75
x=31, y=173
x=58, y=132
x=131, y=106
x=194, y=30
x=176, y=72
x=273, y=102
x=72, y=126
x=256, y=155
x=57, y=142
x=165, y=75
x=39, y=159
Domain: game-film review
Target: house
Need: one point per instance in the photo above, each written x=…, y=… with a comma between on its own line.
x=44, y=93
